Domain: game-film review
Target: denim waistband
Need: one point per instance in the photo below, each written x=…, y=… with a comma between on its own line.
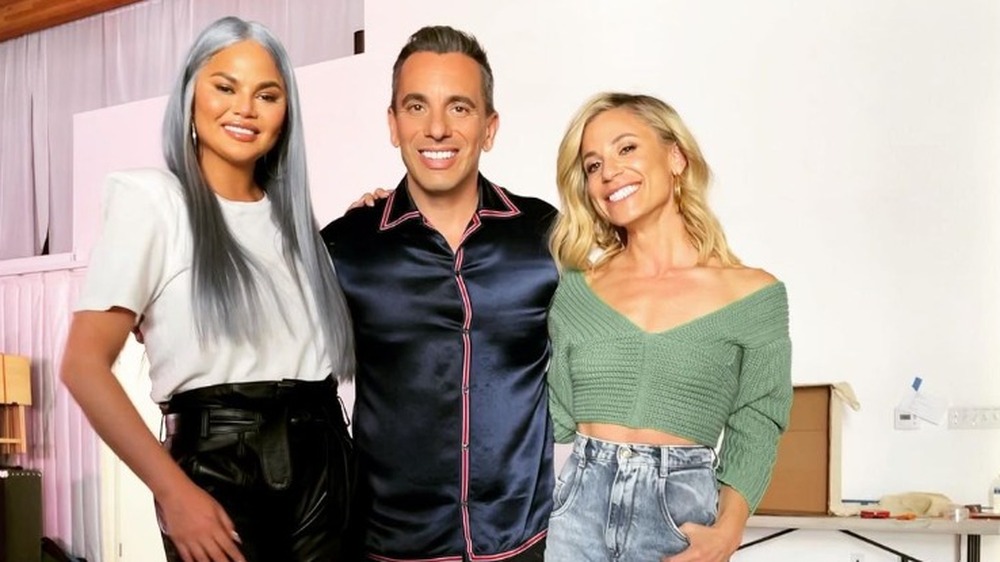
x=667, y=457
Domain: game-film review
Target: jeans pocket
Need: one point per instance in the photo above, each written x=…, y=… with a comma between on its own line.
x=688, y=495
x=566, y=485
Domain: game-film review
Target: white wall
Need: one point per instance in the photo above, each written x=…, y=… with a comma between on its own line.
x=857, y=156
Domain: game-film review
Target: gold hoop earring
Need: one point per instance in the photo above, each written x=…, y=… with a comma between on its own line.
x=677, y=190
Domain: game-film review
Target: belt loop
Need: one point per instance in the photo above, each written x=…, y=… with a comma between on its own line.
x=272, y=442
x=581, y=441
x=283, y=388
x=715, y=459
x=664, y=461
x=205, y=421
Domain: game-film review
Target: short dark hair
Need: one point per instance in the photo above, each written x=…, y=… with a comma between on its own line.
x=442, y=39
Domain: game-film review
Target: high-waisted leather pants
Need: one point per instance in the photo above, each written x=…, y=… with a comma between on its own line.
x=278, y=458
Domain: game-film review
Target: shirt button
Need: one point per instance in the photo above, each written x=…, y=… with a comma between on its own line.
x=465, y=389
x=465, y=446
x=465, y=331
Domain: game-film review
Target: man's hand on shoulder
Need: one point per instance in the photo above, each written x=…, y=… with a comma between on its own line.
x=369, y=199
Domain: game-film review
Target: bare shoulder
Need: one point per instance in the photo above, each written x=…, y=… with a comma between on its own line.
x=743, y=281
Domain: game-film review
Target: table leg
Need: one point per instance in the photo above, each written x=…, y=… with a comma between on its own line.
x=765, y=539
x=972, y=548
x=903, y=557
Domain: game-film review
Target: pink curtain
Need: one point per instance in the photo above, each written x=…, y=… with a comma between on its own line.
x=35, y=310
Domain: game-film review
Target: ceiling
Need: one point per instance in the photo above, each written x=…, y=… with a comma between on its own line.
x=19, y=17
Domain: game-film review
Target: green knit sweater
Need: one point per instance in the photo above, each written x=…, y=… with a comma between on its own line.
x=727, y=372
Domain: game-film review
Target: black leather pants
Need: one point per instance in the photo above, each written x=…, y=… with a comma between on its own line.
x=278, y=457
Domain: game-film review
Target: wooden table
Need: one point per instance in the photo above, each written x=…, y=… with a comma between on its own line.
x=971, y=529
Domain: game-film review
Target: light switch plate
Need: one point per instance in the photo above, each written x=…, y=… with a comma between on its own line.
x=904, y=420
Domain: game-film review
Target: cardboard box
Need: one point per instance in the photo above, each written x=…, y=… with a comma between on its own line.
x=806, y=478
x=15, y=380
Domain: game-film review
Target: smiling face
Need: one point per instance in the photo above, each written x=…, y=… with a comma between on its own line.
x=239, y=106
x=629, y=169
x=440, y=123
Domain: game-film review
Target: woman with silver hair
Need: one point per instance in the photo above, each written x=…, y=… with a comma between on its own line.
x=246, y=329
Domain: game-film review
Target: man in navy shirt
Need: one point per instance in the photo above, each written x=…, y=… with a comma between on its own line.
x=449, y=281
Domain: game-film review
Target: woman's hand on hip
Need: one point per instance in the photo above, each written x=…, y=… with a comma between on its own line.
x=199, y=526
x=707, y=544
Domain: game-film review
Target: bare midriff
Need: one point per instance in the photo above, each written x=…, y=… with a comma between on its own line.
x=622, y=434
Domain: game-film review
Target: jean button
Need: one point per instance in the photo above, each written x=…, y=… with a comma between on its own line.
x=625, y=453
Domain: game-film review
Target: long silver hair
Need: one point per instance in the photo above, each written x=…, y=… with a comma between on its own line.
x=226, y=295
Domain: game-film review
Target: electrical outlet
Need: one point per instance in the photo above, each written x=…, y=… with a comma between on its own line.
x=857, y=557
x=973, y=418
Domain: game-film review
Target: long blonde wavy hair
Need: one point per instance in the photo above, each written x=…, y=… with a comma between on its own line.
x=581, y=229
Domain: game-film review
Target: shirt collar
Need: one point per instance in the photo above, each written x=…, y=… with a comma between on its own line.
x=493, y=203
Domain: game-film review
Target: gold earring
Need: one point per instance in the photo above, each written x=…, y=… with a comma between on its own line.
x=194, y=136
x=677, y=190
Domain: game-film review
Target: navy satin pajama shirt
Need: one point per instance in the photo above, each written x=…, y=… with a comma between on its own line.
x=451, y=416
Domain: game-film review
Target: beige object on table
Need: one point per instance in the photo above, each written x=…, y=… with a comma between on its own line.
x=921, y=504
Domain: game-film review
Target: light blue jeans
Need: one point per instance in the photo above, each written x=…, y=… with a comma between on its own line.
x=617, y=502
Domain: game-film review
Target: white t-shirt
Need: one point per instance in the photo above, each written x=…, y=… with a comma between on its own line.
x=142, y=261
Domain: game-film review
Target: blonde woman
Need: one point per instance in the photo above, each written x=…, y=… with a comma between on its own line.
x=662, y=342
